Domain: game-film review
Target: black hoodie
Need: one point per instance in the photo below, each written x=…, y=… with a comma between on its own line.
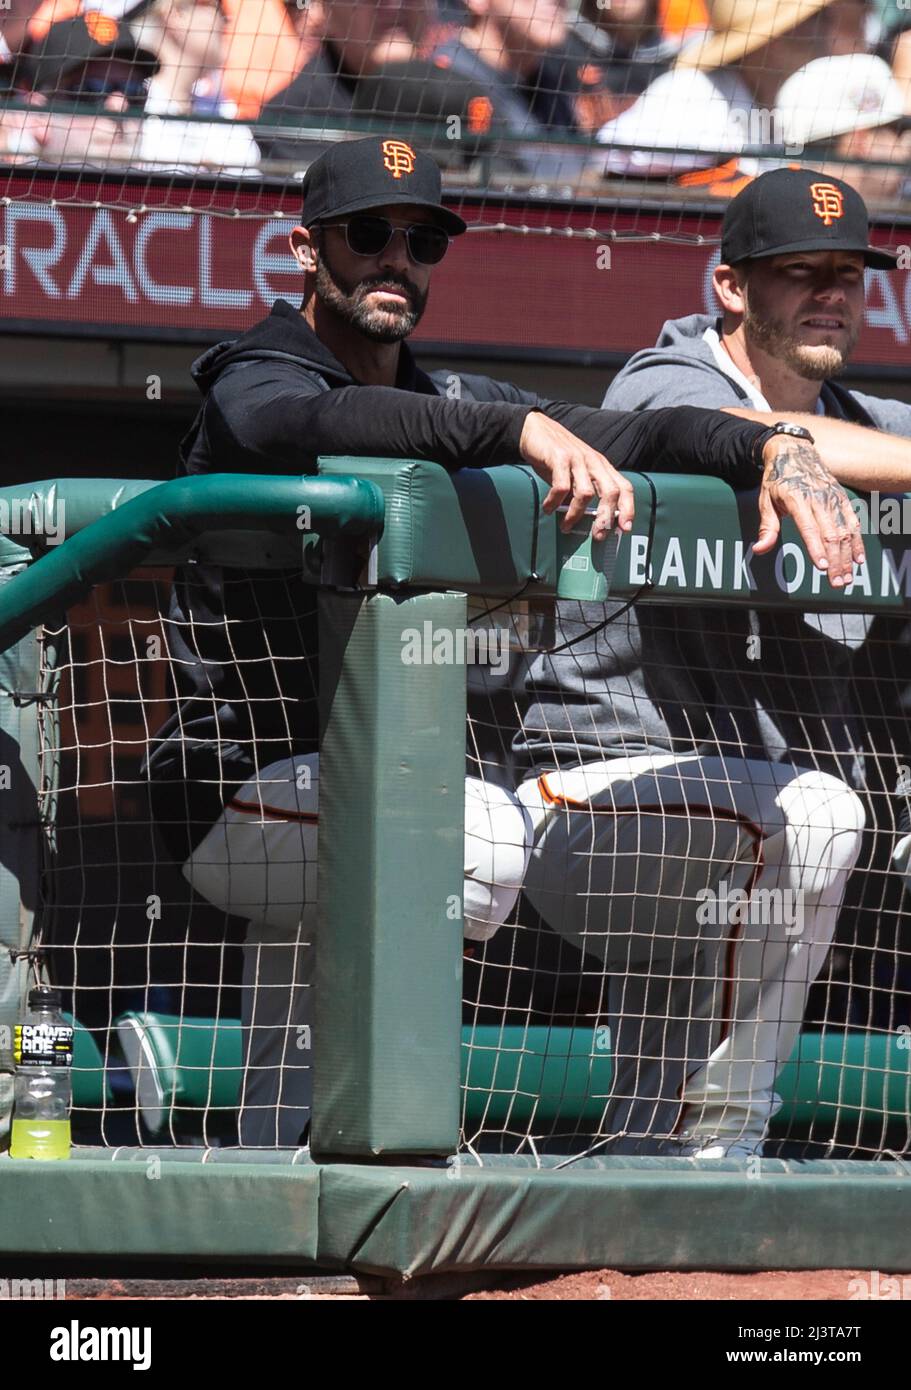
x=243, y=643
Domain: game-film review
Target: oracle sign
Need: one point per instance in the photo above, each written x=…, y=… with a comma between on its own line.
x=61, y=262
x=173, y=267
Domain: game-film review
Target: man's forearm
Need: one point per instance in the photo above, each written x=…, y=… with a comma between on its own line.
x=673, y=439
x=864, y=459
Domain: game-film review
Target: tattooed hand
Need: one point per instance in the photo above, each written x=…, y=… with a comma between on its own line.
x=796, y=483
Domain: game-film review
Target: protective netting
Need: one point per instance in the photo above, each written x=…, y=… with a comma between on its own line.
x=534, y=100
x=715, y=798
x=710, y=803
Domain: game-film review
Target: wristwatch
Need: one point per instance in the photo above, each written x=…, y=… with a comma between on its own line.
x=781, y=427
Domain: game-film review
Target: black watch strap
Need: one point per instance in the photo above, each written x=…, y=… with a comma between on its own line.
x=780, y=427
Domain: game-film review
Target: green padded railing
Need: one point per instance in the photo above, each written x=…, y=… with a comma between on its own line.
x=415, y=530
x=489, y=535
x=513, y=1075
x=91, y=1086
x=166, y=521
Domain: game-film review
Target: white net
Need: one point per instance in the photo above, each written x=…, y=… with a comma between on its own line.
x=709, y=943
x=131, y=134
x=715, y=799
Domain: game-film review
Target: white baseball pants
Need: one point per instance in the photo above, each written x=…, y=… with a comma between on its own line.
x=638, y=861
x=259, y=861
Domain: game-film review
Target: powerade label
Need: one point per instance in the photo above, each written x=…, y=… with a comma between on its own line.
x=43, y=1045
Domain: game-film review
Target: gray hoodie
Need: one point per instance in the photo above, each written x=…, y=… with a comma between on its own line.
x=685, y=680
x=681, y=369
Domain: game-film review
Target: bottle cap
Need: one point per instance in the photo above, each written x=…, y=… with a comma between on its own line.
x=44, y=996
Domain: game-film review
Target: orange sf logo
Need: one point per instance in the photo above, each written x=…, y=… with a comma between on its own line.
x=828, y=202
x=480, y=114
x=102, y=28
x=398, y=158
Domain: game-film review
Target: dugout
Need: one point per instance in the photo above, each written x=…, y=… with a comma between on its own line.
x=104, y=309
x=118, y=405
x=392, y=1190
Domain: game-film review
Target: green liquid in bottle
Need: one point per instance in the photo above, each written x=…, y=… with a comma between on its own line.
x=40, y=1139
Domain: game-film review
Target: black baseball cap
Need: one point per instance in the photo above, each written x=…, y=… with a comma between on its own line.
x=359, y=174
x=798, y=210
x=429, y=91
x=71, y=43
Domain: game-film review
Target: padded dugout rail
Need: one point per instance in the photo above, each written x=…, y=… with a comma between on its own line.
x=483, y=530
x=480, y=530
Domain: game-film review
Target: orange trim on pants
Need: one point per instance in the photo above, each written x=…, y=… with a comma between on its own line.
x=262, y=809
x=715, y=813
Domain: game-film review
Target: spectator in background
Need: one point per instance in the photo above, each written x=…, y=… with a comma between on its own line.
x=707, y=104
x=92, y=61
x=265, y=46
x=13, y=27
x=452, y=117
x=15, y=141
x=188, y=38
x=837, y=110
x=851, y=25
x=518, y=53
x=534, y=69
x=518, y=48
x=895, y=44
x=262, y=48
x=347, y=41
x=633, y=50
x=145, y=75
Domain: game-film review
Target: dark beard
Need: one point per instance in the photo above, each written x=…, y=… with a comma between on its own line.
x=812, y=363
x=346, y=300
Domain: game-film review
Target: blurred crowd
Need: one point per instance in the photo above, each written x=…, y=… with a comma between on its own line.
x=703, y=93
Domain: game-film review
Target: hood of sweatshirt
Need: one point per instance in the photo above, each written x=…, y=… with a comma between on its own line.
x=680, y=343
x=284, y=334
x=686, y=334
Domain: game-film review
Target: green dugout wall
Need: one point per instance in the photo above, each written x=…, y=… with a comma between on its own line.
x=393, y=545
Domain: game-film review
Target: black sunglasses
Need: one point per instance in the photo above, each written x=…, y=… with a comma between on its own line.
x=368, y=236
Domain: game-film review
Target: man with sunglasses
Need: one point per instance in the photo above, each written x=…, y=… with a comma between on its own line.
x=234, y=771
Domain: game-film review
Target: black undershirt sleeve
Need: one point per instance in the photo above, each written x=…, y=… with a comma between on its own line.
x=261, y=419
x=676, y=439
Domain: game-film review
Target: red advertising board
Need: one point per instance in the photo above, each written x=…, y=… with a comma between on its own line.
x=184, y=264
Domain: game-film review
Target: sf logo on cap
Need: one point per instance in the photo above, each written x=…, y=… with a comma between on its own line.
x=828, y=202
x=398, y=158
x=102, y=28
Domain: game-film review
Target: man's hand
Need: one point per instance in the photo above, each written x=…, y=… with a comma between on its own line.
x=796, y=483
x=575, y=470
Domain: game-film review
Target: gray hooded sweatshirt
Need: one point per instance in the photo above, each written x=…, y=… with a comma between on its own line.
x=682, y=369
x=691, y=680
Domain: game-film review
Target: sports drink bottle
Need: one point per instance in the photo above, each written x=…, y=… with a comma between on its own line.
x=43, y=1092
